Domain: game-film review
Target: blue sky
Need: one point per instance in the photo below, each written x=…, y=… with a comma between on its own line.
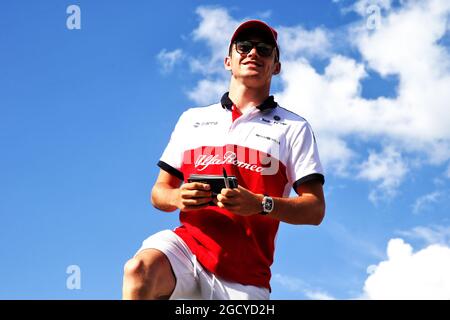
x=86, y=113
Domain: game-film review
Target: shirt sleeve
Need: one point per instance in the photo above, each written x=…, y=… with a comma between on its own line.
x=304, y=162
x=172, y=157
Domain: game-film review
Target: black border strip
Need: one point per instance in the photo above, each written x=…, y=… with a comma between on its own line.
x=309, y=177
x=168, y=168
x=270, y=309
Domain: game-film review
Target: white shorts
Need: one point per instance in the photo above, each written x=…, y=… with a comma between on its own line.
x=192, y=280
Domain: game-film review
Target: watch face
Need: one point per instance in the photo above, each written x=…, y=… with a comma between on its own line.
x=268, y=204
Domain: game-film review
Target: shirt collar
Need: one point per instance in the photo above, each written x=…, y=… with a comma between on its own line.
x=269, y=103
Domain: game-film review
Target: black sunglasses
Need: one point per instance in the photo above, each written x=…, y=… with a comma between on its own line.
x=263, y=49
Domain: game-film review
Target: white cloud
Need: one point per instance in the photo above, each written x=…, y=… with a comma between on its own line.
x=215, y=29
x=264, y=14
x=414, y=122
x=294, y=284
x=403, y=47
x=431, y=235
x=168, y=59
x=423, y=203
x=289, y=283
x=363, y=7
x=335, y=155
x=408, y=275
x=386, y=167
x=323, y=100
x=297, y=41
x=319, y=295
x=207, y=91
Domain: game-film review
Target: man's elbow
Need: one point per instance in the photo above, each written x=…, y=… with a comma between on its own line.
x=319, y=213
x=159, y=200
x=154, y=198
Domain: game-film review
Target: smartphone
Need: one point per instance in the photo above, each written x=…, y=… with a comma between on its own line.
x=217, y=182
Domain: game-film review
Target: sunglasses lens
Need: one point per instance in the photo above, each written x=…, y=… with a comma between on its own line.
x=244, y=46
x=264, y=49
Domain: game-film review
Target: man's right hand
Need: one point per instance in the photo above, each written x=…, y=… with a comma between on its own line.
x=194, y=196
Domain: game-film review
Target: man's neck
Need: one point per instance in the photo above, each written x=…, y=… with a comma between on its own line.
x=244, y=97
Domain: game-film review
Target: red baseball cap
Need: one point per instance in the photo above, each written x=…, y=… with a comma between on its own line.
x=257, y=25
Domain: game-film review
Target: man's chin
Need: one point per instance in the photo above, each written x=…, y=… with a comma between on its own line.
x=252, y=74
x=255, y=80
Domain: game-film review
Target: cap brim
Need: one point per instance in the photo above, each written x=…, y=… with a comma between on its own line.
x=256, y=25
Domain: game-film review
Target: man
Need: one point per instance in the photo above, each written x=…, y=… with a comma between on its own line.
x=225, y=245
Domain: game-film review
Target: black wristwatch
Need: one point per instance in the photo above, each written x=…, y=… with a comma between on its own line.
x=266, y=205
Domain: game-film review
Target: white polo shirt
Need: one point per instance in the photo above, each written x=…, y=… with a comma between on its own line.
x=270, y=150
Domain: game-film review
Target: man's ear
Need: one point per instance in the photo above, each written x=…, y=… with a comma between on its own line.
x=277, y=68
x=227, y=63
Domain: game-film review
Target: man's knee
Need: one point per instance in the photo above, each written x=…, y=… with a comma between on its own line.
x=141, y=271
x=134, y=268
x=143, y=274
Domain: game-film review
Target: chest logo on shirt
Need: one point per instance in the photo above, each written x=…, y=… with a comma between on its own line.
x=267, y=138
x=277, y=120
x=205, y=123
x=204, y=161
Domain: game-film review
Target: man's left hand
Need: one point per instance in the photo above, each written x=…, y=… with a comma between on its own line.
x=239, y=201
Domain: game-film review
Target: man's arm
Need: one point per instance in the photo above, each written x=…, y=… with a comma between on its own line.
x=168, y=196
x=307, y=208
